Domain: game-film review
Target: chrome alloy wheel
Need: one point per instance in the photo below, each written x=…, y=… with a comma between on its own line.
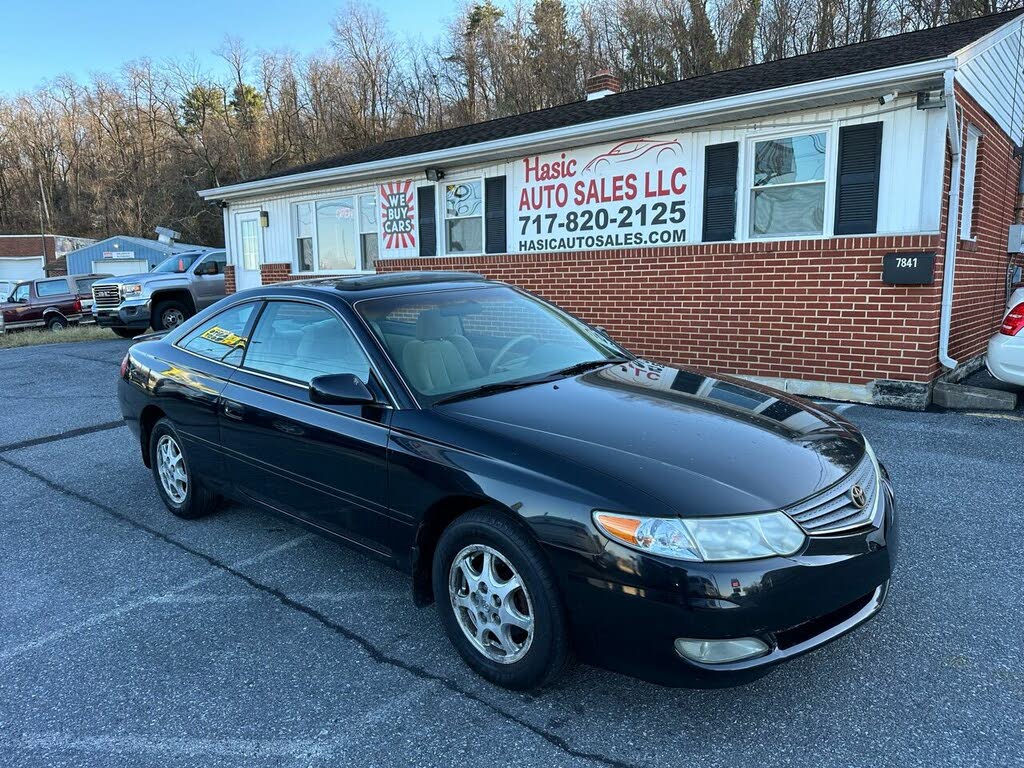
x=491, y=603
x=171, y=318
x=170, y=464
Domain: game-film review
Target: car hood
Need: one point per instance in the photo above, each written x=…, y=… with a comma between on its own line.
x=701, y=444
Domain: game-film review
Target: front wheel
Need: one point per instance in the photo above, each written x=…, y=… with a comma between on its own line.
x=168, y=315
x=181, y=490
x=498, y=602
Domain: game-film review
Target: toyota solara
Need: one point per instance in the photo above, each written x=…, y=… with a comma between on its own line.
x=553, y=494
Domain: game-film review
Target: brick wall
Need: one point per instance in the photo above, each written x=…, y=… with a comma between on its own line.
x=275, y=273
x=979, y=288
x=808, y=309
x=229, y=279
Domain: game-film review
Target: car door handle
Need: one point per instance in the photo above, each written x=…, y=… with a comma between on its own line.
x=233, y=410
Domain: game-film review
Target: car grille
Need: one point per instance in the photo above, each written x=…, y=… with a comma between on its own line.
x=834, y=510
x=106, y=296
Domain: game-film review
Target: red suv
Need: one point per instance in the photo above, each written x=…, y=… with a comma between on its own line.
x=50, y=302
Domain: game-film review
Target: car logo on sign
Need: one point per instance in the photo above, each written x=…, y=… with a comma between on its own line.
x=858, y=497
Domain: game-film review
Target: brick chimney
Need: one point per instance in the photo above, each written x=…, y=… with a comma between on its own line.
x=602, y=83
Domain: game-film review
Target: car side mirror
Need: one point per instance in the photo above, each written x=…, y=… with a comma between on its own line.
x=207, y=269
x=340, y=389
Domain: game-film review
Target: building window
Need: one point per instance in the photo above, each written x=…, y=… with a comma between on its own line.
x=788, y=194
x=336, y=235
x=970, y=171
x=304, y=233
x=463, y=217
x=368, y=230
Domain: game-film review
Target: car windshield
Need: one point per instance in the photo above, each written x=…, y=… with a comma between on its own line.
x=454, y=343
x=178, y=263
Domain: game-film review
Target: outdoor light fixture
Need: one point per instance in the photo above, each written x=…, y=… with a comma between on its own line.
x=934, y=99
x=434, y=174
x=264, y=219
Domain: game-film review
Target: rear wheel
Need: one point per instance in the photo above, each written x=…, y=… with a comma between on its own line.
x=182, y=491
x=498, y=601
x=128, y=333
x=56, y=323
x=168, y=315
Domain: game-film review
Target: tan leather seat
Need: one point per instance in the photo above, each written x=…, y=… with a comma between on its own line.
x=440, y=358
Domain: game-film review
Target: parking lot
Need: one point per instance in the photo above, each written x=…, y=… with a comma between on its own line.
x=131, y=638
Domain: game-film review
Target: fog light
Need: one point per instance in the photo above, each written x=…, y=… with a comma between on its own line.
x=720, y=651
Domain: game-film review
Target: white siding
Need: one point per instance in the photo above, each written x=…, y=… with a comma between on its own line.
x=991, y=71
x=909, y=194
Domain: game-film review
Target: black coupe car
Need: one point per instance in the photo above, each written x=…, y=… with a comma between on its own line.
x=551, y=492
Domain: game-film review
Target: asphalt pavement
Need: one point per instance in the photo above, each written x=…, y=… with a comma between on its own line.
x=131, y=638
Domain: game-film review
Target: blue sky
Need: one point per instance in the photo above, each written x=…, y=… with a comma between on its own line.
x=40, y=39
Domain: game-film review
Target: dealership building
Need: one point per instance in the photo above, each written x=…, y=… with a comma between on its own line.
x=835, y=224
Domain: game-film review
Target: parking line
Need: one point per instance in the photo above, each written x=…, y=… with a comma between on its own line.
x=7, y=654
x=61, y=436
x=375, y=653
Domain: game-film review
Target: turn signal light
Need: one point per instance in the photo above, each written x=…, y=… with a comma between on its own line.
x=124, y=365
x=1014, y=321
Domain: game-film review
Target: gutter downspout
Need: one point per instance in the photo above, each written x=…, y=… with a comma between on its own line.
x=952, y=221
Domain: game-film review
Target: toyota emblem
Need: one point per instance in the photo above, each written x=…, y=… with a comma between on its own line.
x=858, y=497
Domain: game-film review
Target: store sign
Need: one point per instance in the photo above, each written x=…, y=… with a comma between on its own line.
x=628, y=194
x=398, y=215
x=119, y=254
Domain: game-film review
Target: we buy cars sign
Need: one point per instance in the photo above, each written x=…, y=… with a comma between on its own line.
x=632, y=193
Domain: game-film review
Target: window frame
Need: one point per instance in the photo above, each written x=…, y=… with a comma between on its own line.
x=972, y=141
x=355, y=196
x=746, y=191
x=441, y=221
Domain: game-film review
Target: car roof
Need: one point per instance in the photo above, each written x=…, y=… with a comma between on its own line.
x=356, y=287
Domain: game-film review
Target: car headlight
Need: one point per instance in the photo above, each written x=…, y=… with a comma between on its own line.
x=129, y=290
x=707, y=539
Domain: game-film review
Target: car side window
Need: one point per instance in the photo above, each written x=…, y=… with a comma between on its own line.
x=222, y=337
x=220, y=259
x=20, y=293
x=298, y=342
x=46, y=288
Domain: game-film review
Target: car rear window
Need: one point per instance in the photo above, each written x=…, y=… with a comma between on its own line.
x=46, y=288
x=222, y=335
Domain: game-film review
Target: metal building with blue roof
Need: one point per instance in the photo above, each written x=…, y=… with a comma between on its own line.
x=124, y=255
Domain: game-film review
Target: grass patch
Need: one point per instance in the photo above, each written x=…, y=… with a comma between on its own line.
x=31, y=338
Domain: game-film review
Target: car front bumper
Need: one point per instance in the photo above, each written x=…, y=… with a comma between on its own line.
x=128, y=314
x=627, y=609
x=1005, y=358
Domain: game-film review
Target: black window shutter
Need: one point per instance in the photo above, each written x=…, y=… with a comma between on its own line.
x=494, y=214
x=428, y=221
x=720, y=164
x=860, y=155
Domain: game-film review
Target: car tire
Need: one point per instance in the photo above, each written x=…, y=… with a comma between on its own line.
x=168, y=315
x=543, y=652
x=56, y=323
x=183, y=494
x=128, y=333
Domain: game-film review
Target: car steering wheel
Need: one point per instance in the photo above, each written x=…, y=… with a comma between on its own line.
x=503, y=352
